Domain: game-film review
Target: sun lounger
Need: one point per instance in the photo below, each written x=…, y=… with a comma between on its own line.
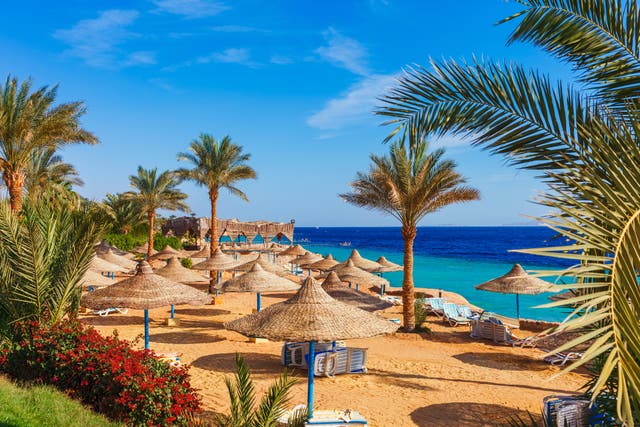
x=343, y=418
x=451, y=315
x=172, y=359
x=561, y=359
x=341, y=360
x=566, y=411
x=494, y=330
x=393, y=300
x=435, y=305
x=108, y=311
x=465, y=311
x=295, y=353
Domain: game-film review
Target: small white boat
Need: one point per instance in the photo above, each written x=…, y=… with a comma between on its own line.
x=345, y=243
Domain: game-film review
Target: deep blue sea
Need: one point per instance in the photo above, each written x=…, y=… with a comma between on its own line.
x=450, y=258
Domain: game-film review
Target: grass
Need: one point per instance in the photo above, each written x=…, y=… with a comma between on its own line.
x=43, y=406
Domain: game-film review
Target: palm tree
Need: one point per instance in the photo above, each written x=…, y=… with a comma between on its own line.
x=408, y=184
x=124, y=212
x=47, y=172
x=216, y=165
x=156, y=191
x=29, y=121
x=585, y=141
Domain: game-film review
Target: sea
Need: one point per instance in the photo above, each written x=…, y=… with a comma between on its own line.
x=454, y=259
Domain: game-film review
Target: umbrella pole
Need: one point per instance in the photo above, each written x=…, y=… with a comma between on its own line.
x=172, y=312
x=258, y=301
x=312, y=358
x=146, y=329
x=518, y=306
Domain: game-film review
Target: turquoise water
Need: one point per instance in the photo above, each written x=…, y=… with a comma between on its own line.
x=460, y=275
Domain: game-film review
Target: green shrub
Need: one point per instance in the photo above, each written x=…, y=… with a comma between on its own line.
x=187, y=262
x=160, y=241
x=126, y=242
x=421, y=314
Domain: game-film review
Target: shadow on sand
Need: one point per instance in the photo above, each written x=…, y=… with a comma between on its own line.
x=113, y=319
x=184, y=338
x=258, y=363
x=501, y=361
x=467, y=414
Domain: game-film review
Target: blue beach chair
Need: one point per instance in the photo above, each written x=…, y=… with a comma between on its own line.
x=435, y=305
x=452, y=316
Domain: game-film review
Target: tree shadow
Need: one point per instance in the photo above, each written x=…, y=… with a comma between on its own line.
x=468, y=414
x=113, y=319
x=184, y=338
x=259, y=363
x=202, y=311
x=501, y=361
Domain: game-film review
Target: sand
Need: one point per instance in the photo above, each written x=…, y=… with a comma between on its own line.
x=439, y=379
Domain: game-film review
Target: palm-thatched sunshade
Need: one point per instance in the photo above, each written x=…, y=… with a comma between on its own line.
x=104, y=246
x=360, y=262
x=145, y=290
x=142, y=249
x=219, y=261
x=93, y=278
x=176, y=272
x=352, y=274
x=275, y=248
x=387, y=266
x=338, y=290
x=306, y=259
x=266, y=266
x=103, y=266
x=296, y=250
x=311, y=315
x=517, y=281
x=202, y=253
x=324, y=264
x=166, y=253
x=258, y=280
x=118, y=260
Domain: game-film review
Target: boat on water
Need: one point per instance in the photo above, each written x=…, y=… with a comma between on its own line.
x=305, y=240
x=345, y=244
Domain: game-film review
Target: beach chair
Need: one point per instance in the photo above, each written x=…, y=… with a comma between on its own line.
x=465, y=311
x=173, y=359
x=566, y=411
x=561, y=359
x=341, y=360
x=343, y=418
x=393, y=300
x=435, y=305
x=295, y=354
x=108, y=311
x=451, y=315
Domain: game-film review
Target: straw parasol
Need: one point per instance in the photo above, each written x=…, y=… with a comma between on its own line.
x=311, y=315
x=275, y=248
x=142, y=249
x=350, y=273
x=219, y=261
x=324, y=264
x=145, y=290
x=338, y=290
x=387, y=266
x=91, y=278
x=307, y=258
x=176, y=272
x=359, y=261
x=100, y=265
x=166, y=253
x=296, y=250
x=117, y=259
x=104, y=246
x=517, y=281
x=266, y=266
x=258, y=280
x=202, y=253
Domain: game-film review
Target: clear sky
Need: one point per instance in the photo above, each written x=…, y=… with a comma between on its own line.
x=294, y=82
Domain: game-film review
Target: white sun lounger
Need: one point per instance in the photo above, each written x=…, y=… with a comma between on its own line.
x=108, y=311
x=325, y=418
x=295, y=353
x=341, y=360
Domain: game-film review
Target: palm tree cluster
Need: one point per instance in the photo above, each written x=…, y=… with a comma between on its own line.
x=584, y=139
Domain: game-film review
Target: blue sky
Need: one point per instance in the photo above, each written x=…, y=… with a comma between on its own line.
x=294, y=82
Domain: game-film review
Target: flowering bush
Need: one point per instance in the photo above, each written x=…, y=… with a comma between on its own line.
x=128, y=385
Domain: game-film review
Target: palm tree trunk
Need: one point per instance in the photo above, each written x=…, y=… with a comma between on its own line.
x=14, y=181
x=408, y=313
x=213, y=197
x=152, y=220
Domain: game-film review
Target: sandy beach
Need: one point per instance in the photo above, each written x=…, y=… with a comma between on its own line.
x=441, y=378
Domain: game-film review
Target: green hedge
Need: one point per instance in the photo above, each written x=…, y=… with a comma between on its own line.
x=127, y=242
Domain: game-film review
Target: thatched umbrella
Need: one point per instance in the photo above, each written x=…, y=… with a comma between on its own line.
x=202, y=253
x=145, y=290
x=387, y=266
x=117, y=259
x=100, y=265
x=104, y=246
x=517, y=281
x=218, y=262
x=311, y=315
x=266, y=266
x=296, y=250
x=166, y=253
x=176, y=272
x=359, y=261
x=91, y=278
x=258, y=280
x=352, y=274
x=142, y=249
x=338, y=290
x=324, y=264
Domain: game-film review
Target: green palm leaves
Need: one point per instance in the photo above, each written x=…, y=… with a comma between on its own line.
x=216, y=165
x=43, y=256
x=585, y=144
x=156, y=191
x=29, y=121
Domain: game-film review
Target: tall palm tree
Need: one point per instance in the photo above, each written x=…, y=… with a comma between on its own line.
x=46, y=171
x=409, y=184
x=585, y=141
x=30, y=121
x=216, y=165
x=124, y=212
x=156, y=191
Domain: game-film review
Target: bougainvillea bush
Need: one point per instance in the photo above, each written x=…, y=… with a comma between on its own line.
x=124, y=384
